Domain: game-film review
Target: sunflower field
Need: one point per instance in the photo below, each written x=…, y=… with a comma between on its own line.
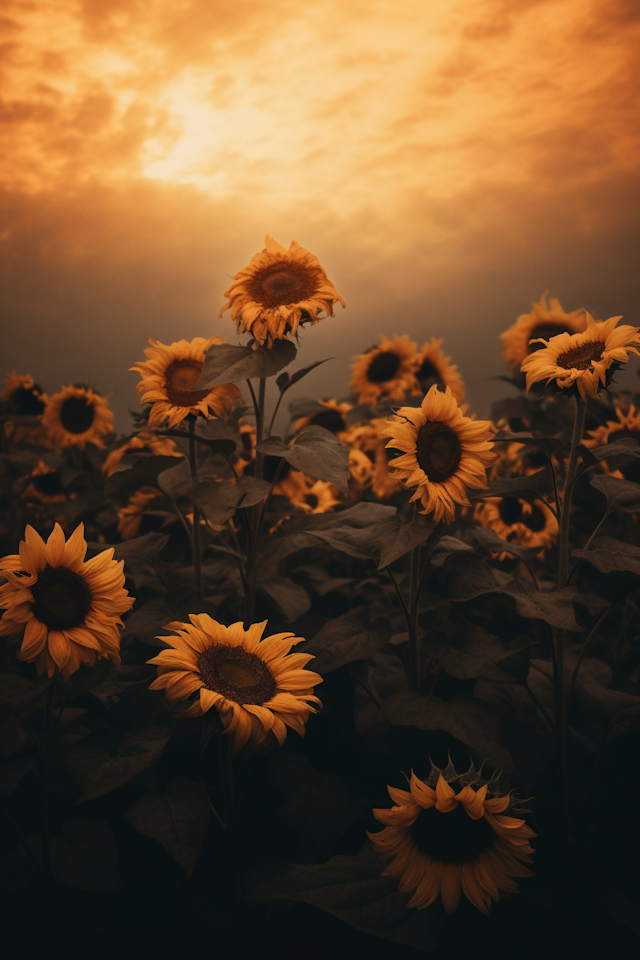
x=372, y=685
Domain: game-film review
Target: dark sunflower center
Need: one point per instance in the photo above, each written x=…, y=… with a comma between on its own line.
x=329, y=419
x=283, y=283
x=438, y=451
x=581, y=358
x=77, y=415
x=61, y=598
x=546, y=331
x=383, y=367
x=26, y=402
x=237, y=674
x=510, y=510
x=451, y=837
x=179, y=378
x=428, y=374
x=311, y=500
x=48, y=483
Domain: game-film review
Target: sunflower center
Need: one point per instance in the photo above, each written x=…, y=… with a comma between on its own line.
x=438, y=451
x=510, y=510
x=179, y=378
x=428, y=372
x=26, y=402
x=48, y=483
x=546, y=331
x=237, y=674
x=329, y=419
x=383, y=367
x=581, y=357
x=282, y=283
x=451, y=837
x=61, y=598
x=77, y=415
x=311, y=500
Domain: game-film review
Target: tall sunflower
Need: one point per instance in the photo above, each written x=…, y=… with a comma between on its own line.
x=257, y=686
x=585, y=360
x=69, y=610
x=443, y=452
x=543, y=322
x=433, y=367
x=385, y=372
x=523, y=522
x=146, y=440
x=168, y=376
x=278, y=291
x=77, y=416
x=447, y=843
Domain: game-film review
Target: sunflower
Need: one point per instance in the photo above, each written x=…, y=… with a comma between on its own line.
x=69, y=610
x=583, y=359
x=318, y=497
x=443, y=452
x=147, y=441
x=522, y=522
x=433, y=367
x=543, y=322
x=24, y=398
x=44, y=484
x=168, y=376
x=626, y=426
x=448, y=844
x=256, y=685
x=77, y=416
x=334, y=418
x=130, y=517
x=278, y=291
x=386, y=371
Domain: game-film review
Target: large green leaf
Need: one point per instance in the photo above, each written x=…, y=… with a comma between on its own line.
x=609, y=556
x=353, y=636
x=315, y=452
x=225, y=363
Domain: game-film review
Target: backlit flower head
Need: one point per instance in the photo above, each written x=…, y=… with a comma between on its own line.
x=543, y=322
x=278, y=291
x=69, y=610
x=257, y=686
x=168, y=377
x=77, y=416
x=385, y=372
x=23, y=396
x=449, y=836
x=433, y=367
x=443, y=453
x=584, y=360
x=145, y=441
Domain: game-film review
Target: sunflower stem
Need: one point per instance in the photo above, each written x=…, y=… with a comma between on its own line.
x=47, y=885
x=195, y=543
x=232, y=818
x=257, y=513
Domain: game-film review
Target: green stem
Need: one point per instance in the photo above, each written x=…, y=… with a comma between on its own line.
x=195, y=543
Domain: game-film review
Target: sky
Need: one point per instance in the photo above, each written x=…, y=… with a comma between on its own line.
x=447, y=163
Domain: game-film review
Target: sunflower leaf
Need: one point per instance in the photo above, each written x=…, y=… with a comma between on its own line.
x=285, y=381
x=292, y=599
x=621, y=495
x=608, y=555
x=403, y=539
x=126, y=479
x=352, y=889
x=547, y=444
x=139, y=749
x=625, y=447
x=531, y=486
x=490, y=539
x=254, y=490
x=353, y=636
x=225, y=363
x=468, y=576
x=556, y=607
x=217, y=500
x=87, y=857
x=178, y=820
x=469, y=650
x=315, y=452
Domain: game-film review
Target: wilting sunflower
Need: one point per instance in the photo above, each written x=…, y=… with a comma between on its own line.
x=256, y=685
x=333, y=418
x=77, y=416
x=433, y=367
x=146, y=440
x=44, y=484
x=385, y=372
x=69, y=610
x=585, y=360
x=447, y=843
x=523, y=522
x=318, y=497
x=543, y=322
x=443, y=452
x=278, y=291
x=168, y=376
x=130, y=516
